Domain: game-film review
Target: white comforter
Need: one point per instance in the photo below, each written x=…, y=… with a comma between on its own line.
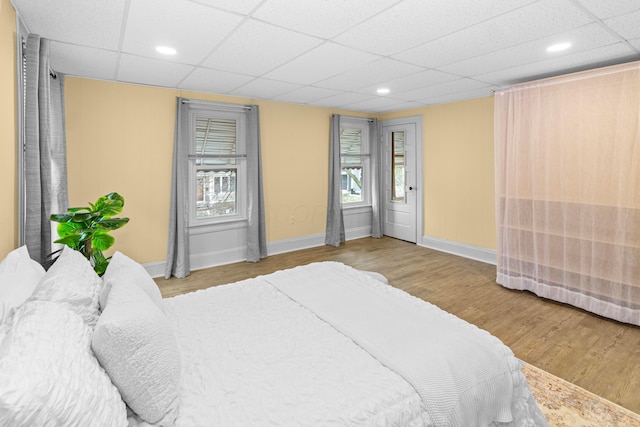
x=252, y=356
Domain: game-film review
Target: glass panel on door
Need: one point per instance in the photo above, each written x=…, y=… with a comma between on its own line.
x=397, y=171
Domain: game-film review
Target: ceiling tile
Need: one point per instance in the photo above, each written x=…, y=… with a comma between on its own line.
x=451, y=87
x=628, y=26
x=342, y=99
x=79, y=60
x=135, y=69
x=190, y=28
x=372, y=73
x=541, y=19
x=413, y=22
x=608, y=9
x=237, y=6
x=405, y=105
x=214, y=81
x=264, y=89
x=606, y=55
x=418, y=80
x=249, y=50
x=95, y=24
x=459, y=96
x=376, y=105
x=321, y=18
x=328, y=59
x=583, y=38
x=306, y=94
x=635, y=43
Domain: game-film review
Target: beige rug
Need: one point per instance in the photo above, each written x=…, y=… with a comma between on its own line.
x=566, y=404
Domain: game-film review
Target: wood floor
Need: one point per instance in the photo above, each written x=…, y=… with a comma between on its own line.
x=600, y=355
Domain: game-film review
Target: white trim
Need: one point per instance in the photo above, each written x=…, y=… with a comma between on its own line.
x=358, y=232
x=477, y=253
x=295, y=244
x=216, y=258
x=200, y=261
x=156, y=268
x=21, y=31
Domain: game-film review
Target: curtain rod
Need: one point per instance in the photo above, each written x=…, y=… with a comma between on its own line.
x=368, y=119
x=216, y=104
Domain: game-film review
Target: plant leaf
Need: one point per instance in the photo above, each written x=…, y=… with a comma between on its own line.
x=67, y=228
x=102, y=241
x=72, y=240
x=112, y=223
x=61, y=217
x=109, y=205
x=80, y=216
x=100, y=263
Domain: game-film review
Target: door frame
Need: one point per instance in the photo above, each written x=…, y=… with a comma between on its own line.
x=417, y=122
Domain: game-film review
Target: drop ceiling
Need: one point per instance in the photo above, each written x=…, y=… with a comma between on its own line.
x=334, y=53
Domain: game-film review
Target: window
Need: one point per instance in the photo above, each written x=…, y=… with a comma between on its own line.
x=217, y=158
x=355, y=159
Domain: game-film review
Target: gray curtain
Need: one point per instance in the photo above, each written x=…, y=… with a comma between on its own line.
x=256, y=233
x=376, y=178
x=45, y=158
x=334, y=235
x=178, y=247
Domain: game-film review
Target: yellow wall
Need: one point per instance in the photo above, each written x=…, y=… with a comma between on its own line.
x=120, y=138
x=458, y=168
x=8, y=130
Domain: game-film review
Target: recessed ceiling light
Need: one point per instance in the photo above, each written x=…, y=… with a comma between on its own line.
x=166, y=50
x=383, y=91
x=558, y=47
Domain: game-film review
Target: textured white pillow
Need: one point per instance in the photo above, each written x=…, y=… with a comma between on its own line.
x=122, y=267
x=48, y=374
x=135, y=344
x=71, y=281
x=19, y=275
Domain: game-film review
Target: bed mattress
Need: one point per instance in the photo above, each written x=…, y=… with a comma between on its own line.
x=252, y=356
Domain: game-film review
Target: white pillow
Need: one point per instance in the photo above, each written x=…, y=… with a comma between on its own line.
x=48, y=374
x=123, y=267
x=135, y=344
x=19, y=275
x=72, y=281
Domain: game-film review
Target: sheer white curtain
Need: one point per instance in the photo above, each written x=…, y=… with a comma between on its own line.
x=568, y=189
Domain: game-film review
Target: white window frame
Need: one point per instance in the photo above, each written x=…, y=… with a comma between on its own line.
x=362, y=125
x=241, y=165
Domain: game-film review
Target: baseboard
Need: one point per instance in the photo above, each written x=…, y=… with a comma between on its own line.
x=156, y=268
x=477, y=253
x=295, y=244
x=213, y=259
x=357, y=233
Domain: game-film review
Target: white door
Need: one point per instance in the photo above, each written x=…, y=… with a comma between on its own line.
x=400, y=179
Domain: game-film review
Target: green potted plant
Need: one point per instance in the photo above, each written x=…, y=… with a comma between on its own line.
x=86, y=229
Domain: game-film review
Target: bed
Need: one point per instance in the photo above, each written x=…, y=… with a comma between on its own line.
x=318, y=345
